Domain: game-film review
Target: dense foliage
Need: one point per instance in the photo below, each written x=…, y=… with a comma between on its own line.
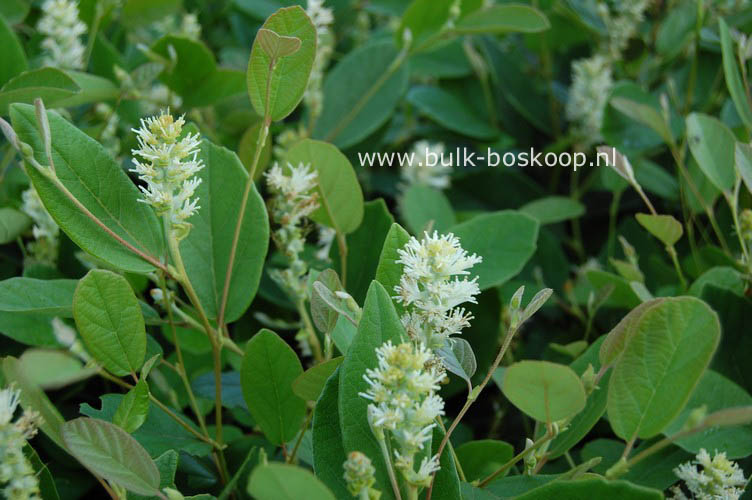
x=375, y=249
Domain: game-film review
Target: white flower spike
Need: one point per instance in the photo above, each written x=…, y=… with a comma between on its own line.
x=404, y=406
x=62, y=28
x=168, y=165
x=431, y=286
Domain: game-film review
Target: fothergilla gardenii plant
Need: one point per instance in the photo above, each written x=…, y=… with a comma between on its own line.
x=375, y=250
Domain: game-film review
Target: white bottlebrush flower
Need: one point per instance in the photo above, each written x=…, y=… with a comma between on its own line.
x=168, y=165
x=432, y=290
x=404, y=405
x=359, y=476
x=322, y=19
x=426, y=167
x=293, y=200
x=591, y=84
x=17, y=475
x=46, y=232
x=62, y=29
x=711, y=479
x=622, y=23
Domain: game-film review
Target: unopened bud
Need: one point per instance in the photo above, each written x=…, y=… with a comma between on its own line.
x=696, y=417
x=588, y=379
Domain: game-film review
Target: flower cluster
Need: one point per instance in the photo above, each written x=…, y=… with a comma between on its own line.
x=359, y=476
x=427, y=284
x=293, y=200
x=404, y=406
x=62, y=28
x=425, y=167
x=322, y=19
x=591, y=84
x=622, y=23
x=718, y=478
x=16, y=472
x=46, y=231
x=168, y=165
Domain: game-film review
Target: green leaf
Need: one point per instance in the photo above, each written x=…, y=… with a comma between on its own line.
x=715, y=392
x=269, y=368
x=51, y=369
x=645, y=114
x=423, y=206
x=327, y=438
x=289, y=76
x=712, y=145
x=309, y=384
x=81, y=164
x=109, y=320
x=107, y=450
x=733, y=78
x=506, y=240
x=743, y=163
x=498, y=19
x=133, y=409
x=627, y=133
x=275, y=481
x=49, y=84
x=591, y=488
x=388, y=271
x=664, y=227
x=29, y=329
x=206, y=249
x=325, y=306
x=14, y=58
x=724, y=277
x=12, y=224
x=459, y=358
x=14, y=11
x=340, y=196
x=479, y=459
x=450, y=112
x=552, y=209
x=546, y=391
x=424, y=19
x=361, y=93
x=34, y=399
x=92, y=89
x=378, y=325
x=34, y=296
x=665, y=354
x=158, y=434
x=364, y=248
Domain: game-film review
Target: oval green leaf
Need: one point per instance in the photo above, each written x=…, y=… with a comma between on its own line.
x=267, y=373
x=31, y=295
x=546, y=391
x=110, y=452
x=360, y=94
x=506, y=240
x=507, y=18
x=664, y=227
x=206, y=249
x=340, y=196
x=712, y=145
x=275, y=481
x=669, y=347
x=289, y=77
x=109, y=320
x=450, y=112
x=81, y=164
